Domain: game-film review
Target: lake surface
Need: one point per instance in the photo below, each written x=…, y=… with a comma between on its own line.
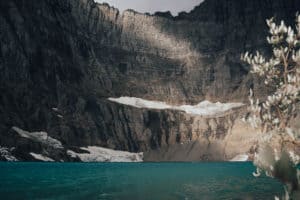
x=130, y=181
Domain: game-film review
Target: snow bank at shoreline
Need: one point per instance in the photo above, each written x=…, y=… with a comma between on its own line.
x=204, y=108
x=41, y=157
x=240, y=158
x=100, y=154
x=6, y=154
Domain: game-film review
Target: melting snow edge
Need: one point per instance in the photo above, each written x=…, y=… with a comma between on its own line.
x=204, y=108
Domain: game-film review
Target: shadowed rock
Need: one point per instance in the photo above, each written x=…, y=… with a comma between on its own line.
x=74, y=54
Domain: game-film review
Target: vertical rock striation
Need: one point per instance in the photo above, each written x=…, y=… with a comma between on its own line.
x=61, y=60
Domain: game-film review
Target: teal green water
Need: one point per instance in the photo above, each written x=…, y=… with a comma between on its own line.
x=130, y=181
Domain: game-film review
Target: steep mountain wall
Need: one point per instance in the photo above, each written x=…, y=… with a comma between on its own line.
x=61, y=60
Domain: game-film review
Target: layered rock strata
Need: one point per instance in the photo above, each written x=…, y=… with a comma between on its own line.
x=61, y=60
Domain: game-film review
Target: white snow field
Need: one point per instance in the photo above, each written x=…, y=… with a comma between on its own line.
x=100, y=154
x=41, y=157
x=204, y=108
x=39, y=137
x=240, y=158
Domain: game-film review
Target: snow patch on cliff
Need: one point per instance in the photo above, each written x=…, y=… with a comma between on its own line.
x=100, y=154
x=141, y=103
x=204, y=108
x=39, y=137
x=41, y=157
x=6, y=153
x=208, y=108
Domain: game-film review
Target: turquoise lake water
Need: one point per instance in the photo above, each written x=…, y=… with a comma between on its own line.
x=130, y=181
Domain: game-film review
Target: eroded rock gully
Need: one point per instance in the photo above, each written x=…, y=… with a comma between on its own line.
x=61, y=60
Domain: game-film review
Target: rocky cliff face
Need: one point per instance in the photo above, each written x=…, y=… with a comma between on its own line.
x=61, y=60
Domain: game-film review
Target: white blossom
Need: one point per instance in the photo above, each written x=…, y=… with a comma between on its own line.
x=290, y=39
x=282, y=73
x=296, y=56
